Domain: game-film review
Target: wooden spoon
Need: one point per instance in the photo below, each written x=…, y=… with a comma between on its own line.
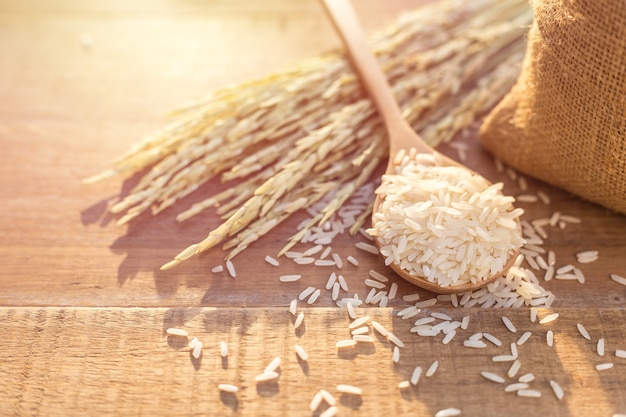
x=401, y=134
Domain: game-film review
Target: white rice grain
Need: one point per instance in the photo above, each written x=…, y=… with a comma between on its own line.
x=514, y=369
x=550, y=338
x=508, y=324
x=474, y=344
x=395, y=357
x=359, y=322
x=426, y=303
x=228, y=388
x=345, y=343
x=266, y=376
x=604, y=366
x=366, y=247
x=557, y=390
x=197, y=350
x=448, y=337
x=193, y=343
x=349, y=389
x=409, y=298
x=448, y=412
x=491, y=338
x=363, y=338
x=273, y=365
x=223, y=349
x=316, y=401
x=600, y=347
x=217, y=269
x=440, y=316
x=289, y=278
x=618, y=278
x=394, y=339
x=379, y=328
x=230, y=267
x=172, y=331
x=335, y=292
x=328, y=397
x=299, y=320
x=337, y=260
x=378, y=276
x=549, y=318
x=313, y=298
x=515, y=387
x=374, y=284
x=293, y=306
x=393, y=290
x=302, y=354
x=404, y=384
x=272, y=261
x=583, y=332
x=352, y=260
x=360, y=330
x=306, y=292
x=330, y=411
x=504, y=358
x=529, y=377
x=620, y=353
x=432, y=369
x=492, y=377
x=529, y=393
x=415, y=375
x=342, y=282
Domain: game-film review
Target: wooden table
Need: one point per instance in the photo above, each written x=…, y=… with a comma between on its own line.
x=85, y=307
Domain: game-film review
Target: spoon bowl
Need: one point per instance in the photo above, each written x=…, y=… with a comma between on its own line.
x=401, y=135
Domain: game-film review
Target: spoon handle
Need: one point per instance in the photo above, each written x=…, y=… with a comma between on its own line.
x=346, y=23
x=363, y=60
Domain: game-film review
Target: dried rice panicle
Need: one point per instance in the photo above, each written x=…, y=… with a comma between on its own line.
x=284, y=149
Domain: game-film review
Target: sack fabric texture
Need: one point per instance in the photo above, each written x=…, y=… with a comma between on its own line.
x=564, y=121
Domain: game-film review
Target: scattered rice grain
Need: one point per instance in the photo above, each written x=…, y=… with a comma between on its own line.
x=583, y=332
x=349, y=389
x=557, y=390
x=231, y=268
x=529, y=393
x=346, y=343
x=492, y=377
x=266, y=376
x=549, y=318
x=299, y=320
x=432, y=369
x=604, y=366
x=529, y=377
x=509, y=325
x=228, y=388
x=514, y=369
x=448, y=412
x=352, y=260
x=197, y=350
x=172, y=331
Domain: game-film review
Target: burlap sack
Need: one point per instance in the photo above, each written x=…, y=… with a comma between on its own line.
x=564, y=121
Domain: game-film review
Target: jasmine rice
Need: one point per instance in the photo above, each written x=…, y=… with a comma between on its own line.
x=444, y=223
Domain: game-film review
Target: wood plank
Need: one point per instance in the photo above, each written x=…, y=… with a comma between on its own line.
x=92, y=361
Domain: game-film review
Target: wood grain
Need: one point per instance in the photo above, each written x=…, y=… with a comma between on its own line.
x=84, y=306
x=123, y=363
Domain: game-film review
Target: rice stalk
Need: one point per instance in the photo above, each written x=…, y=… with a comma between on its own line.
x=288, y=139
